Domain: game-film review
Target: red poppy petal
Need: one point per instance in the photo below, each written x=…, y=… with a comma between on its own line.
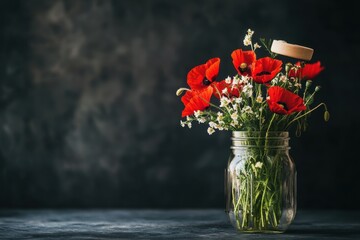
x=276, y=108
x=200, y=100
x=196, y=77
x=212, y=69
x=236, y=57
x=311, y=70
x=187, y=96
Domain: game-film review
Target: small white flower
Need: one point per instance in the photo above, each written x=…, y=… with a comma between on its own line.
x=220, y=117
x=268, y=98
x=224, y=101
x=247, y=38
x=201, y=120
x=197, y=113
x=238, y=100
x=234, y=123
x=188, y=118
x=210, y=130
x=228, y=80
x=247, y=109
x=247, y=90
x=283, y=78
x=256, y=46
x=234, y=116
x=298, y=85
x=182, y=123
x=258, y=164
x=247, y=41
x=244, y=80
x=212, y=124
x=224, y=91
x=250, y=32
x=236, y=80
x=259, y=99
x=274, y=81
x=189, y=124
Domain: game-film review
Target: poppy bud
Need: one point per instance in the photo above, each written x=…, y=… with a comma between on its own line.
x=308, y=83
x=326, y=116
x=288, y=66
x=317, y=88
x=180, y=91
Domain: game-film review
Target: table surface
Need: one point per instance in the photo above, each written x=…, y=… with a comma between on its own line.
x=165, y=224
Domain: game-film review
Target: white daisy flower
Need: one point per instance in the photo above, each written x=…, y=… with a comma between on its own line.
x=236, y=80
x=228, y=80
x=197, y=113
x=258, y=164
x=224, y=101
x=283, y=78
x=210, y=130
x=247, y=109
x=182, y=123
x=234, y=116
x=259, y=99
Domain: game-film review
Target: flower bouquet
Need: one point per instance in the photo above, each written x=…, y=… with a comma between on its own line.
x=259, y=105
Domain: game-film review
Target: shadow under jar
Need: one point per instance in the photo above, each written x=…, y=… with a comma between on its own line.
x=260, y=182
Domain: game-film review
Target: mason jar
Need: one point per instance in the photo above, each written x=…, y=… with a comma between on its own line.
x=260, y=182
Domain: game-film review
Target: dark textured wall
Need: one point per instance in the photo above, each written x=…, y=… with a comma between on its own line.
x=89, y=116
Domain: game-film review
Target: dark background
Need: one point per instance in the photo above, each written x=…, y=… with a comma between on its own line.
x=89, y=116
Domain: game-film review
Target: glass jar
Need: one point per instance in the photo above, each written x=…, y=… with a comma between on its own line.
x=260, y=182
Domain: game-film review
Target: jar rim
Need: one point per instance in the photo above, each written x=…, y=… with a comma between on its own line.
x=270, y=140
x=261, y=134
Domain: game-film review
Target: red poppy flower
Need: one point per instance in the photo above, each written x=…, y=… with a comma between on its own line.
x=203, y=75
x=196, y=100
x=243, y=61
x=284, y=102
x=266, y=69
x=309, y=71
x=232, y=91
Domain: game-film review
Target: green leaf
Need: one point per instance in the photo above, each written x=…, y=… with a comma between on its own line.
x=267, y=46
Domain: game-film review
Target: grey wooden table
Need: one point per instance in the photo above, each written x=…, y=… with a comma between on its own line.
x=164, y=224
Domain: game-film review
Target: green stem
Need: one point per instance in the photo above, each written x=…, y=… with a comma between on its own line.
x=244, y=215
x=271, y=121
x=308, y=112
x=262, y=203
x=267, y=132
x=311, y=96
